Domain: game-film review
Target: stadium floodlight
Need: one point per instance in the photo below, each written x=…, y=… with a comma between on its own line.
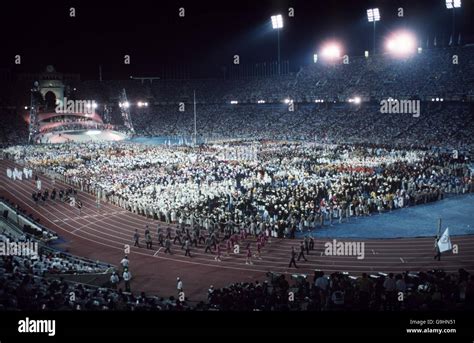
x=126, y=104
x=373, y=14
x=366, y=53
x=401, y=43
x=331, y=51
x=94, y=105
x=277, y=21
x=356, y=100
x=26, y=107
x=288, y=101
x=277, y=24
x=315, y=58
x=453, y=4
x=234, y=102
x=261, y=101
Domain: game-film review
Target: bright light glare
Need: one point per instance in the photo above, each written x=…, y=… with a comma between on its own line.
x=315, y=58
x=288, y=101
x=94, y=105
x=331, y=51
x=453, y=4
x=261, y=101
x=234, y=102
x=373, y=14
x=401, y=43
x=356, y=100
x=277, y=21
x=126, y=104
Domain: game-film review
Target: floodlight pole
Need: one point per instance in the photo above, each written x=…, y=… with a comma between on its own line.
x=454, y=25
x=278, y=33
x=374, y=35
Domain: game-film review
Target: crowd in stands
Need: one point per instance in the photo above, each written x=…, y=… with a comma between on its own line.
x=421, y=291
x=439, y=124
x=445, y=73
x=22, y=290
x=433, y=290
x=13, y=127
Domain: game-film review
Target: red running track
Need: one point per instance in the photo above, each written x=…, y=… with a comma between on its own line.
x=101, y=234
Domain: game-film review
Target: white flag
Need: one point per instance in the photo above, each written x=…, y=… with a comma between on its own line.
x=444, y=243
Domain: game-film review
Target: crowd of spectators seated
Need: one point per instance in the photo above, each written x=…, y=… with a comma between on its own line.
x=421, y=291
x=444, y=73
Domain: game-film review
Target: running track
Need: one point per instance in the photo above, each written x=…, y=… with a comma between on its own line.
x=102, y=234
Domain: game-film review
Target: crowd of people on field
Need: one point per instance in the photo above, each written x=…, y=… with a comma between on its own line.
x=282, y=187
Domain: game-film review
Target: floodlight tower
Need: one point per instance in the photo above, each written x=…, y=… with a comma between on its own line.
x=277, y=24
x=452, y=5
x=373, y=16
x=125, y=110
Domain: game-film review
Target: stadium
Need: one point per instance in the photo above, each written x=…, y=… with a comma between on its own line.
x=246, y=179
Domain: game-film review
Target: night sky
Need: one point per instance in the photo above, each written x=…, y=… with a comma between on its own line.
x=206, y=39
